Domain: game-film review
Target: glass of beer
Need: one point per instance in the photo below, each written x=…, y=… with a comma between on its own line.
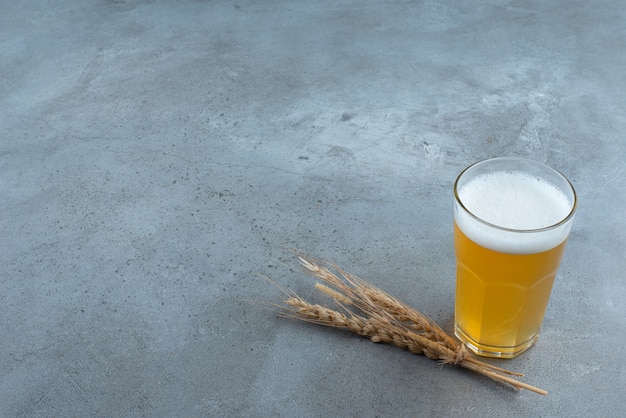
x=512, y=217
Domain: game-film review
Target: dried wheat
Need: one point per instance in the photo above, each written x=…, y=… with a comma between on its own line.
x=383, y=318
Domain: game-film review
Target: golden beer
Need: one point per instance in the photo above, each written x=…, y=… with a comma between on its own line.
x=512, y=219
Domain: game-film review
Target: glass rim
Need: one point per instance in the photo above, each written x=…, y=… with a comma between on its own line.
x=563, y=221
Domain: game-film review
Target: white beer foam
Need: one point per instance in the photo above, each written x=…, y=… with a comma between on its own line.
x=518, y=201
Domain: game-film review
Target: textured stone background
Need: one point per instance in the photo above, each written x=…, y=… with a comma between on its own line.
x=156, y=155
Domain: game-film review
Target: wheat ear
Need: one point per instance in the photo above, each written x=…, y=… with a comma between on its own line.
x=383, y=318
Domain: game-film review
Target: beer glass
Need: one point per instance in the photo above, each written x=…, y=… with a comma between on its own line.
x=512, y=217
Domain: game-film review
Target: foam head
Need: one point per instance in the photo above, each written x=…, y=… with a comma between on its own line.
x=509, y=208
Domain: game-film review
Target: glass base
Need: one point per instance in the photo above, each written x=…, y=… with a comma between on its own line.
x=492, y=351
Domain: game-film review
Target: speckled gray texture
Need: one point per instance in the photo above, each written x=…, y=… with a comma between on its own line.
x=155, y=156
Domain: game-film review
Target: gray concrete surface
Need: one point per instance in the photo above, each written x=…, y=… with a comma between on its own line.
x=156, y=155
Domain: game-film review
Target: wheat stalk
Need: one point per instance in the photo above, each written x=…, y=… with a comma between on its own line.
x=370, y=312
